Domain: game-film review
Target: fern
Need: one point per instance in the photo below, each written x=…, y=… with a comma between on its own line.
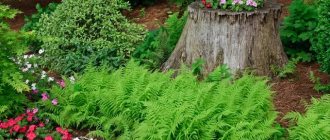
x=133, y=103
x=159, y=44
x=314, y=124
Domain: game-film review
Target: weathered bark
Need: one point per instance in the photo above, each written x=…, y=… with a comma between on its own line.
x=239, y=39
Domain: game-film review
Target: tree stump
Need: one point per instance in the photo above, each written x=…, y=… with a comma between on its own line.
x=238, y=39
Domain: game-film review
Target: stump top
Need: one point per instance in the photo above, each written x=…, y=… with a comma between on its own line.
x=269, y=5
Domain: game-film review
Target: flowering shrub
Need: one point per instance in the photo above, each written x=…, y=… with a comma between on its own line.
x=233, y=5
x=30, y=126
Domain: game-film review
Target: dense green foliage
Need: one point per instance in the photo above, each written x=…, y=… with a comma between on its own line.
x=321, y=44
x=11, y=44
x=159, y=44
x=314, y=124
x=134, y=103
x=32, y=21
x=298, y=28
x=88, y=31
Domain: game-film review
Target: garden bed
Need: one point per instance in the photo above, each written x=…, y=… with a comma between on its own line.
x=291, y=94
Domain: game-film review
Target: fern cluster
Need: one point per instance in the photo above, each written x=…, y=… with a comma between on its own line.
x=133, y=103
x=159, y=44
x=314, y=124
x=11, y=44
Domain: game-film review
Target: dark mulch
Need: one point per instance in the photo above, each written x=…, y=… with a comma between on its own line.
x=27, y=7
x=154, y=16
x=293, y=94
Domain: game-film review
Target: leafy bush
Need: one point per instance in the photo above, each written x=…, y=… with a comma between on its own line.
x=32, y=21
x=298, y=28
x=314, y=124
x=11, y=44
x=132, y=103
x=88, y=31
x=159, y=44
x=321, y=44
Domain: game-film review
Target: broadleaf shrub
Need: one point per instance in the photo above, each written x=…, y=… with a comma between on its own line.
x=321, y=42
x=314, y=124
x=82, y=31
x=133, y=103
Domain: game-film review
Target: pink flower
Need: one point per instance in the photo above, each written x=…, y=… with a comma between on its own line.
x=32, y=128
x=237, y=2
x=223, y=1
x=41, y=124
x=29, y=118
x=16, y=128
x=54, y=102
x=61, y=83
x=48, y=138
x=251, y=3
x=35, y=110
x=23, y=129
x=44, y=96
x=3, y=125
x=19, y=118
x=31, y=135
x=11, y=122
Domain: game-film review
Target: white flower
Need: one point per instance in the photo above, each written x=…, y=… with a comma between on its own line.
x=25, y=69
x=25, y=56
x=27, y=81
x=76, y=138
x=33, y=86
x=43, y=74
x=50, y=79
x=32, y=55
x=35, y=65
x=28, y=66
x=72, y=79
x=41, y=51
